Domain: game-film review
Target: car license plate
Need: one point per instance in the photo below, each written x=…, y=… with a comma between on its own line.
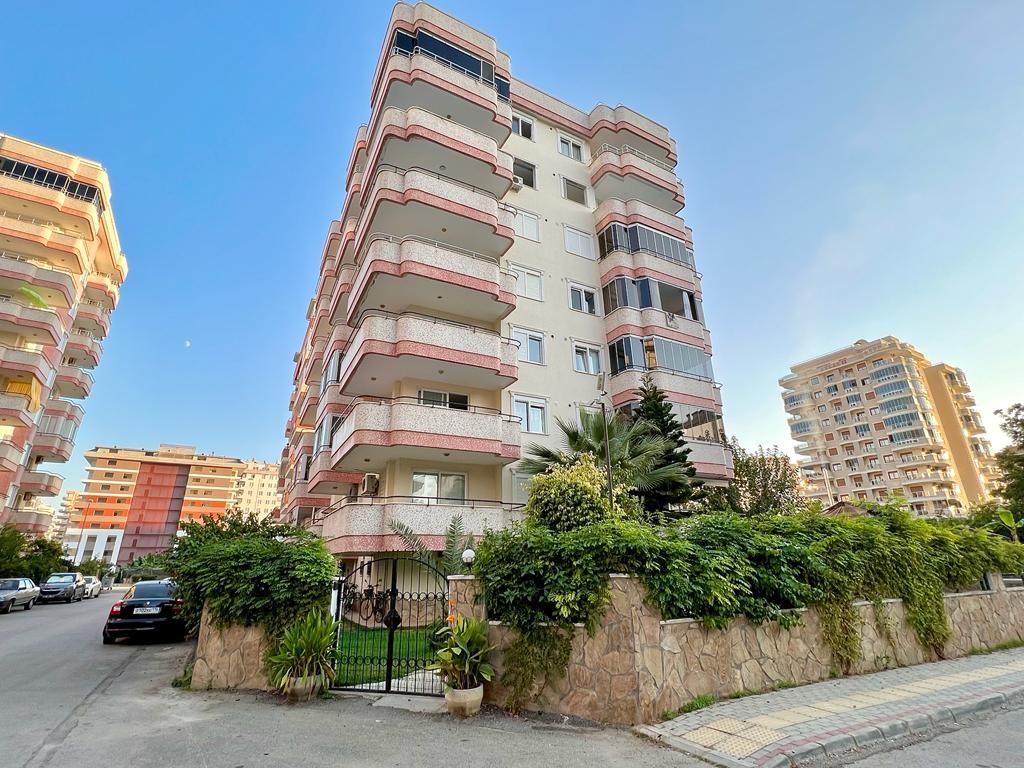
x=145, y=610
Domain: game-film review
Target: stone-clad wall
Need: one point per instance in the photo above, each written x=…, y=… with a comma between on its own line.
x=229, y=657
x=637, y=666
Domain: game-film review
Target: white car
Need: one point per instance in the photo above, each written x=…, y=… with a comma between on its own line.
x=93, y=586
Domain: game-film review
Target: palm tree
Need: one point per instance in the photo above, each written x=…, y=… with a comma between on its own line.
x=456, y=541
x=635, y=448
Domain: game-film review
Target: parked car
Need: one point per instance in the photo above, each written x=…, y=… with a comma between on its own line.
x=93, y=586
x=66, y=587
x=15, y=592
x=148, y=608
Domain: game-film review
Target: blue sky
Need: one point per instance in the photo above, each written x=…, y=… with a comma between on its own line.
x=823, y=146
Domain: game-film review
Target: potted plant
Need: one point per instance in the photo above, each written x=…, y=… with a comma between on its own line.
x=462, y=663
x=304, y=662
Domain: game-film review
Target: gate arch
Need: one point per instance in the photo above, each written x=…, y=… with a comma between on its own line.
x=388, y=611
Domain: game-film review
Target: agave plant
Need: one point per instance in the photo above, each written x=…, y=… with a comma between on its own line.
x=305, y=653
x=456, y=541
x=635, y=450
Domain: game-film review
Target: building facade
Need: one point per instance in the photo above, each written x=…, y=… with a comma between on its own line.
x=61, y=270
x=62, y=516
x=256, y=491
x=498, y=256
x=877, y=419
x=135, y=500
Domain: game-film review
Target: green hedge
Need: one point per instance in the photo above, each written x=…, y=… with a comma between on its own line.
x=250, y=572
x=718, y=566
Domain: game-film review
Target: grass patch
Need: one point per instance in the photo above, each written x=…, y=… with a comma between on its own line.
x=363, y=651
x=1009, y=645
x=700, y=702
x=184, y=680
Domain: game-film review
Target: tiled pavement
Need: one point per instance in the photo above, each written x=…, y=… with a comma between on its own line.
x=804, y=725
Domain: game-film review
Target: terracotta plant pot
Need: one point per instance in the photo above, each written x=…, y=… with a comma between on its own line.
x=300, y=689
x=464, y=703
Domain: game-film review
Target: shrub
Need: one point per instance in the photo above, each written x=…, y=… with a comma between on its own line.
x=250, y=572
x=462, y=658
x=568, y=497
x=306, y=650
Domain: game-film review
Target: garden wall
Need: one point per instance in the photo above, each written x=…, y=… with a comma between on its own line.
x=229, y=657
x=637, y=666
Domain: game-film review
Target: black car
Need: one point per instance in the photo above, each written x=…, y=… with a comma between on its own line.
x=63, y=587
x=148, y=608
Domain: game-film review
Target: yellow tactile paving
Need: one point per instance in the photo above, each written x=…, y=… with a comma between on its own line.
x=769, y=721
x=737, y=746
x=706, y=737
x=729, y=725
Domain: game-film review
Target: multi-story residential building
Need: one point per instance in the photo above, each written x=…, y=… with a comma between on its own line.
x=62, y=516
x=61, y=270
x=877, y=418
x=499, y=254
x=135, y=499
x=256, y=490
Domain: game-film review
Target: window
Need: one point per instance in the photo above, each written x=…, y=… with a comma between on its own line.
x=519, y=493
x=526, y=171
x=529, y=282
x=579, y=243
x=531, y=345
x=527, y=225
x=435, y=486
x=583, y=299
x=573, y=191
x=522, y=126
x=586, y=359
x=532, y=413
x=619, y=237
x=570, y=148
x=444, y=399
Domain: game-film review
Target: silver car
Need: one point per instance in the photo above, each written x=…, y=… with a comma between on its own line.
x=14, y=592
x=93, y=586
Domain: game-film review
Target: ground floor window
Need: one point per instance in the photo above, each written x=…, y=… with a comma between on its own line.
x=435, y=486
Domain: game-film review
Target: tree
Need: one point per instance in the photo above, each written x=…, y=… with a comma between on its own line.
x=1010, y=461
x=93, y=567
x=655, y=409
x=456, y=541
x=764, y=482
x=635, y=450
x=12, y=542
x=41, y=557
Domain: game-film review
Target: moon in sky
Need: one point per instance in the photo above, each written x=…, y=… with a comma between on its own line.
x=188, y=343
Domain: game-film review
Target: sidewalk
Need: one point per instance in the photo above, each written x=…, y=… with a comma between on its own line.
x=802, y=725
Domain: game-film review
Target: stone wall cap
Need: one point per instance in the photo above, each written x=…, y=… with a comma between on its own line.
x=462, y=577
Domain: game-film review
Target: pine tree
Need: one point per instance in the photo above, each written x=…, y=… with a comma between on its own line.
x=655, y=409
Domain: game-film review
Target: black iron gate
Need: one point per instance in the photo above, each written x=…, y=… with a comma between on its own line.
x=388, y=612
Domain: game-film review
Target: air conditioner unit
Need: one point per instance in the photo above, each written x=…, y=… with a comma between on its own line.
x=517, y=183
x=370, y=485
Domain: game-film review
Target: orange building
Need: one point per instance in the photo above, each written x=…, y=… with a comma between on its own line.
x=135, y=500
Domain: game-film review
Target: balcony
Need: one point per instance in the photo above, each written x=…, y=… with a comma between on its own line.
x=621, y=125
x=375, y=431
x=342, y=293
x=40, y=325
x=93, y=317
x=19, y=363
x=103, y=288
x=417, y=202
x=656, y=322
x=84, y=348
x=307, y=408
x=396, y=274
x=626, y=173
x=324, y=479
x=32, y=518
x=713, y=461
x=73, y=212
x=389, y=347
x=24, y=233
x=10, y=456
x=40, y=483
x=56, y=285
x=14, y=410
x=51, y=446
x=680, y=387
x=73, y=382
x=363, y=524
x=420, y=79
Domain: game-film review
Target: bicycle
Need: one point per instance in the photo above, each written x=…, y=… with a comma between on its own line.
x=374, y=604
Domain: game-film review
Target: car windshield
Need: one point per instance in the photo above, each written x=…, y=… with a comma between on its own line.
x=61, y=578
x=9, y=584
x=153, y=589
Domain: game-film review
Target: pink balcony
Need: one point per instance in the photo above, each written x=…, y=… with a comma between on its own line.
x=84, y=348
x=55, y=284
x=45, y=239
x=103, y=288
x=93, y=317
x=680, y=387
x=397, y=274
x=42, y=326
x=52, y=447
x=41, y=483
x=626, y=173
x=324, y=479
x=621, y=125
x=73, y=382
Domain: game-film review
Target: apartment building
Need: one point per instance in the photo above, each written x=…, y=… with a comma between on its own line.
x=876, y=419
x=134, y=500
x=498, y=256
x=62, y=516
x=61, y=270
x=256, y=490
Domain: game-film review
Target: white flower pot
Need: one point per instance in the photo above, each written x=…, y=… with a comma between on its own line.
x=464, y=703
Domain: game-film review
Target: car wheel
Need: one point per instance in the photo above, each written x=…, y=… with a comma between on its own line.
x=108, y=639
x=71, y=598
x=7, y=608
x=28, y=605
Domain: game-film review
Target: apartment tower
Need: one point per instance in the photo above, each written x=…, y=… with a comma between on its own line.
x=61, y=270
x=499, y=253
x=877, y=419
x=256, y=490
